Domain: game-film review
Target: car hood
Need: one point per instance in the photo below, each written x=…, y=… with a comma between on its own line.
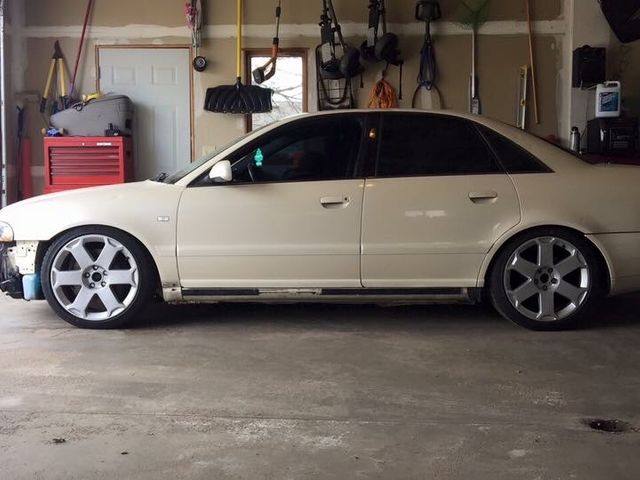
x=127, y=207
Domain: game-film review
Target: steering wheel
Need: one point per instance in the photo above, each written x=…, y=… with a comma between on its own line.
x=252, y=172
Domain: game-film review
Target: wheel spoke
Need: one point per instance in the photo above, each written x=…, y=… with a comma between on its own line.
x=569, y=265
x=574, y=294
x=80, y=254
x=523, y=293
x=109, y=300
x=524, y=267
x=545, y=252
x=122, y=277
x=81, y=303
x=64, y=279
x=547, y=305
x=108, y=254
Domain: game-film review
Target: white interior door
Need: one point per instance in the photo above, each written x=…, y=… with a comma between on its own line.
x=158, y=82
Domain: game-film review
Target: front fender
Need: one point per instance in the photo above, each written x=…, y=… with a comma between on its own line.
x=145, y=210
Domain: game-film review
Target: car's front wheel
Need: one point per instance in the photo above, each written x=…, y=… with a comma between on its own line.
x=97, y=277
x=546, y=279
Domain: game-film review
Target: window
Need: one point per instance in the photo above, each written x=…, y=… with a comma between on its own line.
x=422, y=144
x=514, y=158
x=306, y=150
x=289, y=84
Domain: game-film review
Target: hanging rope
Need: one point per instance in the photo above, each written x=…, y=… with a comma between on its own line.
x=383, y=95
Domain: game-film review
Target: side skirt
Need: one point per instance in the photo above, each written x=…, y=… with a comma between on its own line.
x=333, y=295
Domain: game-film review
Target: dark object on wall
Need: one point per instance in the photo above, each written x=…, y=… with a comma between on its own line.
x=93, y=118
x=334, y=71
x=239, y=98
x=332, y=65
x=612, y=136
x=194, y=14
x=624, y=18
x=268, y=70
x=78, y=162
x=427, y=11
x=380, y=46
x=589, y=66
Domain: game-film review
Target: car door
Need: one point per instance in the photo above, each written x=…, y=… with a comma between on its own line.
x=291, y=218
x=435, y=202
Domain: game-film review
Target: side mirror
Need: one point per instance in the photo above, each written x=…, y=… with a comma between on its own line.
x=221, y=172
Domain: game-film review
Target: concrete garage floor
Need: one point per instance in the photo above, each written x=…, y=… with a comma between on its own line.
x=291, y=392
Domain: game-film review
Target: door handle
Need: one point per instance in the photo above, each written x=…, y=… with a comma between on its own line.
x=483, y=197
x=335, y=202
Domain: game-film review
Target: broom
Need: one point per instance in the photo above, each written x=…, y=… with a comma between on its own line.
x=239, y=98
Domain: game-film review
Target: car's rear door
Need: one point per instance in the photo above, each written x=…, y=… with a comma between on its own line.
x=436, y=200
x=296, y=224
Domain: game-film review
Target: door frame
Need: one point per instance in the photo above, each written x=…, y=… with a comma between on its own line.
x=159, y=47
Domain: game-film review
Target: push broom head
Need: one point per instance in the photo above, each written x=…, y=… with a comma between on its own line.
x=239, y=98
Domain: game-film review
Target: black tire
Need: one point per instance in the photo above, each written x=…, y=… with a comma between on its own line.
x=147, y=278
x=594, y=292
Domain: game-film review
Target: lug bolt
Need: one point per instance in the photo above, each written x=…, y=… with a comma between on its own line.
x=95, y=267
x=536, y=282
x=545, y=288
x=554, y=281
x=93, y=285
x=551, y=270
x=86, y=275
x=104, y=284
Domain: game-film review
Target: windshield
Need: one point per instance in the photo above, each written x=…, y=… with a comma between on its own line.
x=176, y=177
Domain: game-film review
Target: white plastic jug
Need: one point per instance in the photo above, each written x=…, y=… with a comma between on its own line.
x=608, y=100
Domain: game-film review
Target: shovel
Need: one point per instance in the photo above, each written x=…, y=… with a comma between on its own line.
x=239, y=98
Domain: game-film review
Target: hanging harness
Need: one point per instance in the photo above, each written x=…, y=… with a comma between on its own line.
x=331, y=66
x=427, y=11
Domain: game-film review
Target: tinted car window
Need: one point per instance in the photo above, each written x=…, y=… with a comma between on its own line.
x=513, y=158
x=319, y=149
x=419, y=144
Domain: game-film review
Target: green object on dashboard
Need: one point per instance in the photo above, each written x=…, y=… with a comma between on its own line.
x=259, y=158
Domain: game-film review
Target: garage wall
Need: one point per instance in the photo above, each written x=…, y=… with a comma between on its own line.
x=502, y=47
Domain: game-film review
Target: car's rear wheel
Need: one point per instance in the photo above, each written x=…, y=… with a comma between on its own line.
x=97, y=277
x=547, y=279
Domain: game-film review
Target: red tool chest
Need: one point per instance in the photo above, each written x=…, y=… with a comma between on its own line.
x=78, y=162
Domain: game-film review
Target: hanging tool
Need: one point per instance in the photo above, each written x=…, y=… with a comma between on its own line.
x=475, y=16
x=72, y=88
x=239, y=98
x=58, y=67
x=334, y=71
x=523, y=86
x=268, y=70
x=193, y=12
x=381, y=46
x=532, y=61
x=428, y=12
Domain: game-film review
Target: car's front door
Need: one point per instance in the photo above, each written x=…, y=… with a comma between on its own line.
x=291, y=217
x=435, y=202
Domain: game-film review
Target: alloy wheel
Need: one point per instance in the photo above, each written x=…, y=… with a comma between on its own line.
x=94, y=277
x=547, y=279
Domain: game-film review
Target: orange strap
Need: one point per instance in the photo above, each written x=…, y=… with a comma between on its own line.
x=383, y=95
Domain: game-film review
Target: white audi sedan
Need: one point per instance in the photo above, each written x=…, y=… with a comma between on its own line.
x=357, y=206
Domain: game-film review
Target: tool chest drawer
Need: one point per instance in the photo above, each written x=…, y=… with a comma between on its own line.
x=78, y=162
